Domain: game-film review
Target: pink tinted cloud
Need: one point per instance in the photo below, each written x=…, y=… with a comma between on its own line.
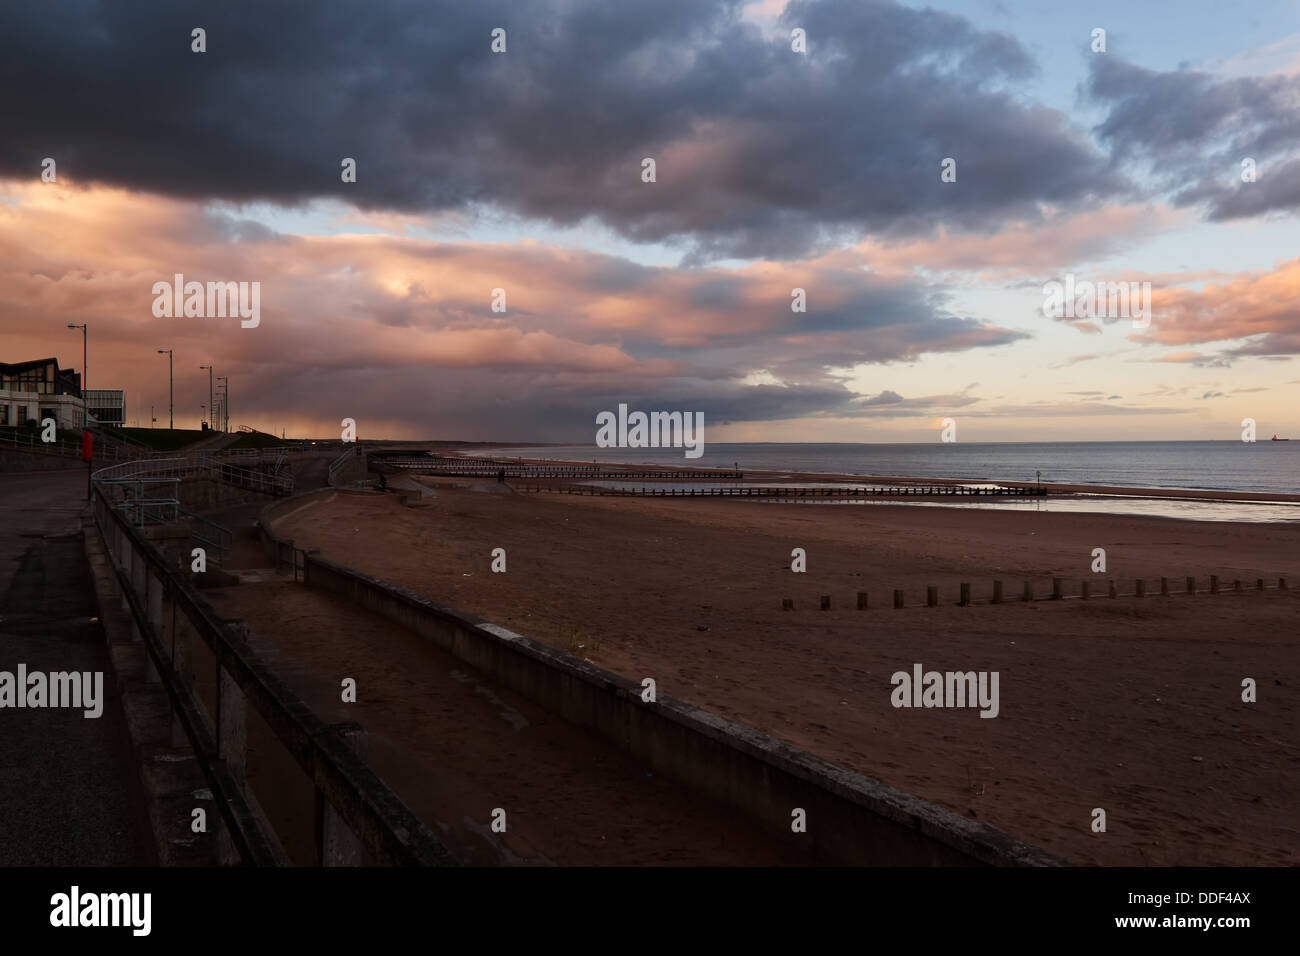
x=1251, y=304
x=1022, y=248
x=70, y=251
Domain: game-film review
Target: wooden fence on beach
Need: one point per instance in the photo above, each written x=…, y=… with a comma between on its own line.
x=999, y=595
x=756, y=491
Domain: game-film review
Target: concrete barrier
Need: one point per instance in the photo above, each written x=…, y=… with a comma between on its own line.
x=852, y=819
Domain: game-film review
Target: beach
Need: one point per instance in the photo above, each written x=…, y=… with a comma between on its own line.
x=1132, y=705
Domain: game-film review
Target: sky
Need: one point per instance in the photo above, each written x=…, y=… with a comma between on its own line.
x=776, y=169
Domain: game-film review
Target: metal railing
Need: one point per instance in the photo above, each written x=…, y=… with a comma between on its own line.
x=18, y=439
x=271, y=451
x=67, y=449
x=198, y=466
x=354, y=808
x=350, y=455
x=143, y=511
x=216, y=540
x=128, y=495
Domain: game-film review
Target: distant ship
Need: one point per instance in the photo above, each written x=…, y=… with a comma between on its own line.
x=1275, y=438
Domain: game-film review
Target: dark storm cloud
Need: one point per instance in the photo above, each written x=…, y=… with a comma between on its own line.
x=760, y=151
x=1193, y=130
x=463, y=403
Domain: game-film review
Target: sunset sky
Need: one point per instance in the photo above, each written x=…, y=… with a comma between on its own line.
x=775, y=169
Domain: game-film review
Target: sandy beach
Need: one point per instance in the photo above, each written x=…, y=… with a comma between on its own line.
x=1131, y=705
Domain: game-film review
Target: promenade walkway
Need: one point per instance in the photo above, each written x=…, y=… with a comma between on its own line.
x=69, y=792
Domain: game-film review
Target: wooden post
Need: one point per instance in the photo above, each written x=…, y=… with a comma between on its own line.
x=931, y=595
x=1281, y=584
x=1214, y=584
x=898, y=598
x=997, y=592
x=1164, y=587
x=1083, y=591
x=1056, y=589
x=862, y=600
x=1236, y=584
x=787, y=604
x=1259, y=584
x=1029, y=591
x=1110, y=588
x=1141, y=588
x=826, y=602
x=965, y=594
x=1191, y=585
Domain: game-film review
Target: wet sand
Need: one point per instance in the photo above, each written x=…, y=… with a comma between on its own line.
x=1131, y=705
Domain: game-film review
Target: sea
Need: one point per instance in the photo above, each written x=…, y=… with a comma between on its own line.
x=1208, y=465
x=1262, y=466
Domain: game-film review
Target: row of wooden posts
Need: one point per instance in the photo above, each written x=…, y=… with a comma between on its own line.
x=760, y=491
x=1058, y=592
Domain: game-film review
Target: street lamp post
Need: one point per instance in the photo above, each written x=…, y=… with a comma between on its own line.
x=171, y=393
x=83, y=371
x=225, y=399
x=211, y=407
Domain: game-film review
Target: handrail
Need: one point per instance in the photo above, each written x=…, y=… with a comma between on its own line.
x=200, y=466
x=252, y=842
x=107, y=446
x=350, y=452
x=215, y=537
x=154, y=467
x=258, y=452
x=378, y=818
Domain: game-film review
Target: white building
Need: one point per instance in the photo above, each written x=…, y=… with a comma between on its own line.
x=33, y=391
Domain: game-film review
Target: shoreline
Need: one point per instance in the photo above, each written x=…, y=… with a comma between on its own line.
x=1053, y=488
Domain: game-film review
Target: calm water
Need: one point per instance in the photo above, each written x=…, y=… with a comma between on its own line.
x=1212, y=465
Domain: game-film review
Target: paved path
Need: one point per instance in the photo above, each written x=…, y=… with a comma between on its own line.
x=69, y=792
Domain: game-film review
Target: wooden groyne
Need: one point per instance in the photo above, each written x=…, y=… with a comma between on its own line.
x=1191, y=588
x=918, y=491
